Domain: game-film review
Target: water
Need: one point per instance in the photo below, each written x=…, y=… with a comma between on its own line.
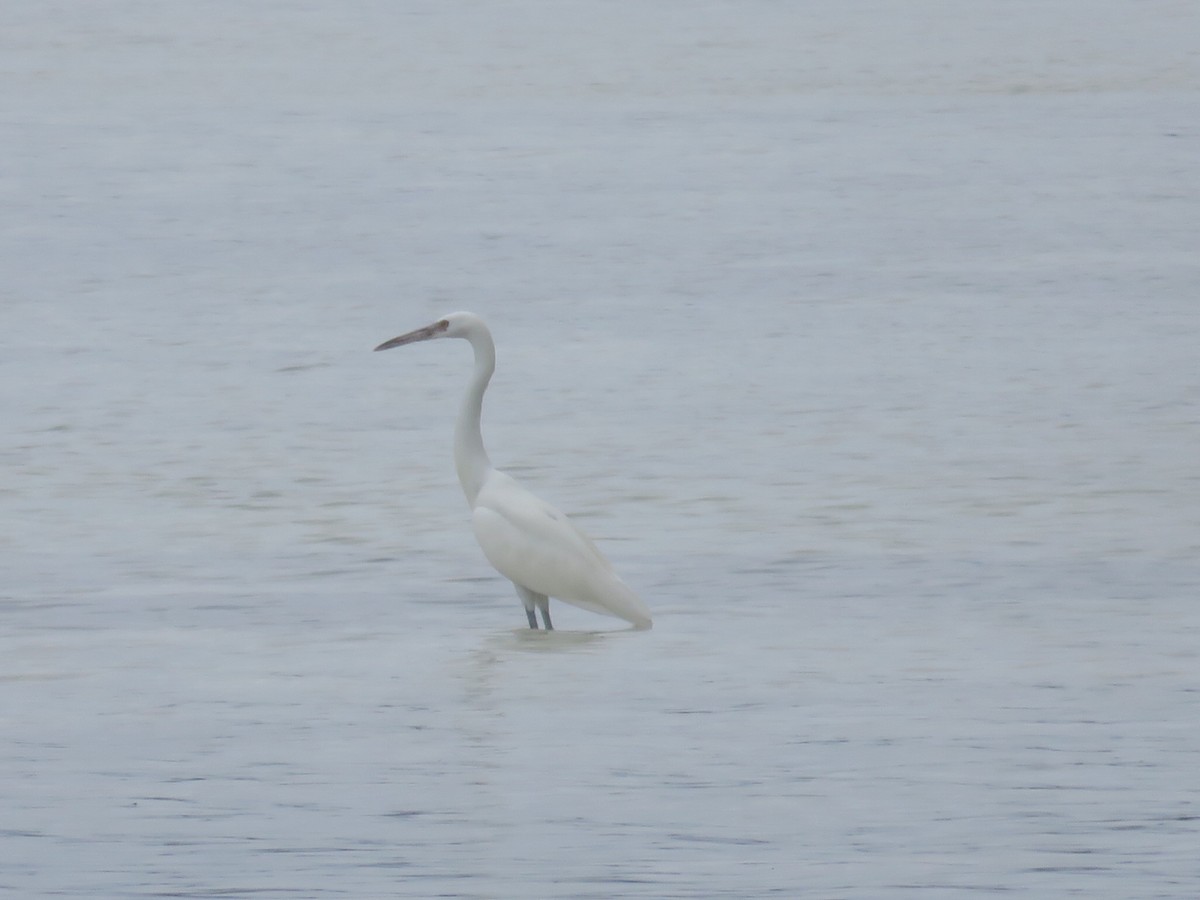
x=864, y=345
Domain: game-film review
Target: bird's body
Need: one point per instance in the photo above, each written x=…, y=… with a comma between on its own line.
x=527, y=540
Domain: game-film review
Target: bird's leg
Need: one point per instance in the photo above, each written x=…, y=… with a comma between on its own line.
x=533, y=600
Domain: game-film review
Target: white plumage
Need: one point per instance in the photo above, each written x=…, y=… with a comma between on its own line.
x=527, y=540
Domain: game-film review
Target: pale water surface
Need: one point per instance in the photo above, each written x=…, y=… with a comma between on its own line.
x=862, y=337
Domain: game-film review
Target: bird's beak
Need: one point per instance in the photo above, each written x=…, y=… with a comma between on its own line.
x=421, y=334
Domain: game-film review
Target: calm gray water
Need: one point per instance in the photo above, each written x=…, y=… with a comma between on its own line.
x=862, y=340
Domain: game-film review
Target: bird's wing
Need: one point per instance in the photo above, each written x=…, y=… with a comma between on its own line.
x=519, y=524
x=534, y=545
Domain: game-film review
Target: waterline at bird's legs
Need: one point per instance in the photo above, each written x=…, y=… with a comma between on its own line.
x=532, y=600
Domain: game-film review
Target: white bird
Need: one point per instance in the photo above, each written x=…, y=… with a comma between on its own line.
x=527, y=540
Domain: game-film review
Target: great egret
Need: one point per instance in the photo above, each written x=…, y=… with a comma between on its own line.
x=528, y=541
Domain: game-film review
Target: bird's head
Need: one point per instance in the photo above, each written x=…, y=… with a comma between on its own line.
x=455, y=325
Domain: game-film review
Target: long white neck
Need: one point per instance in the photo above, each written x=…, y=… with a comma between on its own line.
x=470, y=457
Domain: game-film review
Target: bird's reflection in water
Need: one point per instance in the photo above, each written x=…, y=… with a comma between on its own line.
x=524, y=640
x=483, y=673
